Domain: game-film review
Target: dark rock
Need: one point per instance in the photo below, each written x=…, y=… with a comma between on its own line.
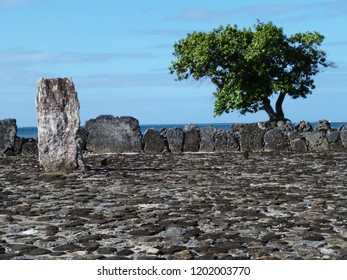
x=175, y=137
x=251, y=135
x=298, y=145
x=108, y=134
x=303, y=126
x=9, y=152
x=82, y=135
x=67, y=248
x=18, y=145
x=8, y=132
x=51, y=230
x=29, y=250
x=207, y=136
x=294, y=135
x=275, y=140
x=191, y=138
x=323, y=126
x=29, y=147
x=317, y=141
x=153, y=141
x=313, y=237
x=106, y=251
x=100, y=162
x=333, y=136
x=125, y=252
x=58, y=117
x=225, y=141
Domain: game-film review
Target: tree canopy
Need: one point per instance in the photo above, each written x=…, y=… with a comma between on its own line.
x=249, y=65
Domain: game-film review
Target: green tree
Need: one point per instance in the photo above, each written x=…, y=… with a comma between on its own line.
x=248, y=66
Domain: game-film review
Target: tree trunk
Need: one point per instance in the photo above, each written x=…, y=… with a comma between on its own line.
x=278, y=115
x=279, y=110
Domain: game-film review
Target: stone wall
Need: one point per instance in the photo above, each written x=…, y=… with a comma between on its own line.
x=108, y=134
x=123, y=135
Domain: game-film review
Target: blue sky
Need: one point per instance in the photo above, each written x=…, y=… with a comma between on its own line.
x=118, y=54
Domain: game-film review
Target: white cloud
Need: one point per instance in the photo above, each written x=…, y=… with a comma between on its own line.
x=22, y=57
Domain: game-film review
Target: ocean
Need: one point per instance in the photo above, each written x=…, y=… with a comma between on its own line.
x=31, y=132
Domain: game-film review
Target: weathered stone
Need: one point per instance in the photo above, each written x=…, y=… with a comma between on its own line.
x=333, y=136
x=175, y=137
x=251, y=136
x=191, y=138
x=108, y=134
x=303, y=126
x=275, y=140
x=18, y=145
x=57, y=109
x=343, y=135
x=285, y=126
x=82, y=135
x=225, y=141
x=294, y=135
x=298, y=145
x=317, y=141
x=323, y=126
x=207, y=143
x=29, y=147
x=153, y=141
x=8, y=131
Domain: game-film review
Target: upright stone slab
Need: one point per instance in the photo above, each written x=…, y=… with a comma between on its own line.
x=57, y=110
x=153, y=141
x=251, y=135
x=109, y=134
x=191, y=138
x=175, y=138
x=8, y=131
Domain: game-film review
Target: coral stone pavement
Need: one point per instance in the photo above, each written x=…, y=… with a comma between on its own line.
x=177, y=206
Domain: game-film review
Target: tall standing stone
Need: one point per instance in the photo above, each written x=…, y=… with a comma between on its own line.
x=57, y=110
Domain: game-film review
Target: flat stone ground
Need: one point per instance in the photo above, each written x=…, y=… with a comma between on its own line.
x=184, y=206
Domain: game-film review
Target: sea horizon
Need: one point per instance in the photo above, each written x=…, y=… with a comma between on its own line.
x=31, y=131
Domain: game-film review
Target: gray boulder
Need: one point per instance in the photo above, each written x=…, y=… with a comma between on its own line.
x=29, y=147
x=250, y=135
x=191, y=138
x=275, y=140
x=285, y=126
x=343, y=135
x=317, y=141
x=57, y=108
x=225, y=141
x=298, y=145
x=303, y=126
x=175, y=138
x=109, y=134
x=153, y=142
x=207, y=139
x=323, y=126
x=333, y=137
x=8, y=132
